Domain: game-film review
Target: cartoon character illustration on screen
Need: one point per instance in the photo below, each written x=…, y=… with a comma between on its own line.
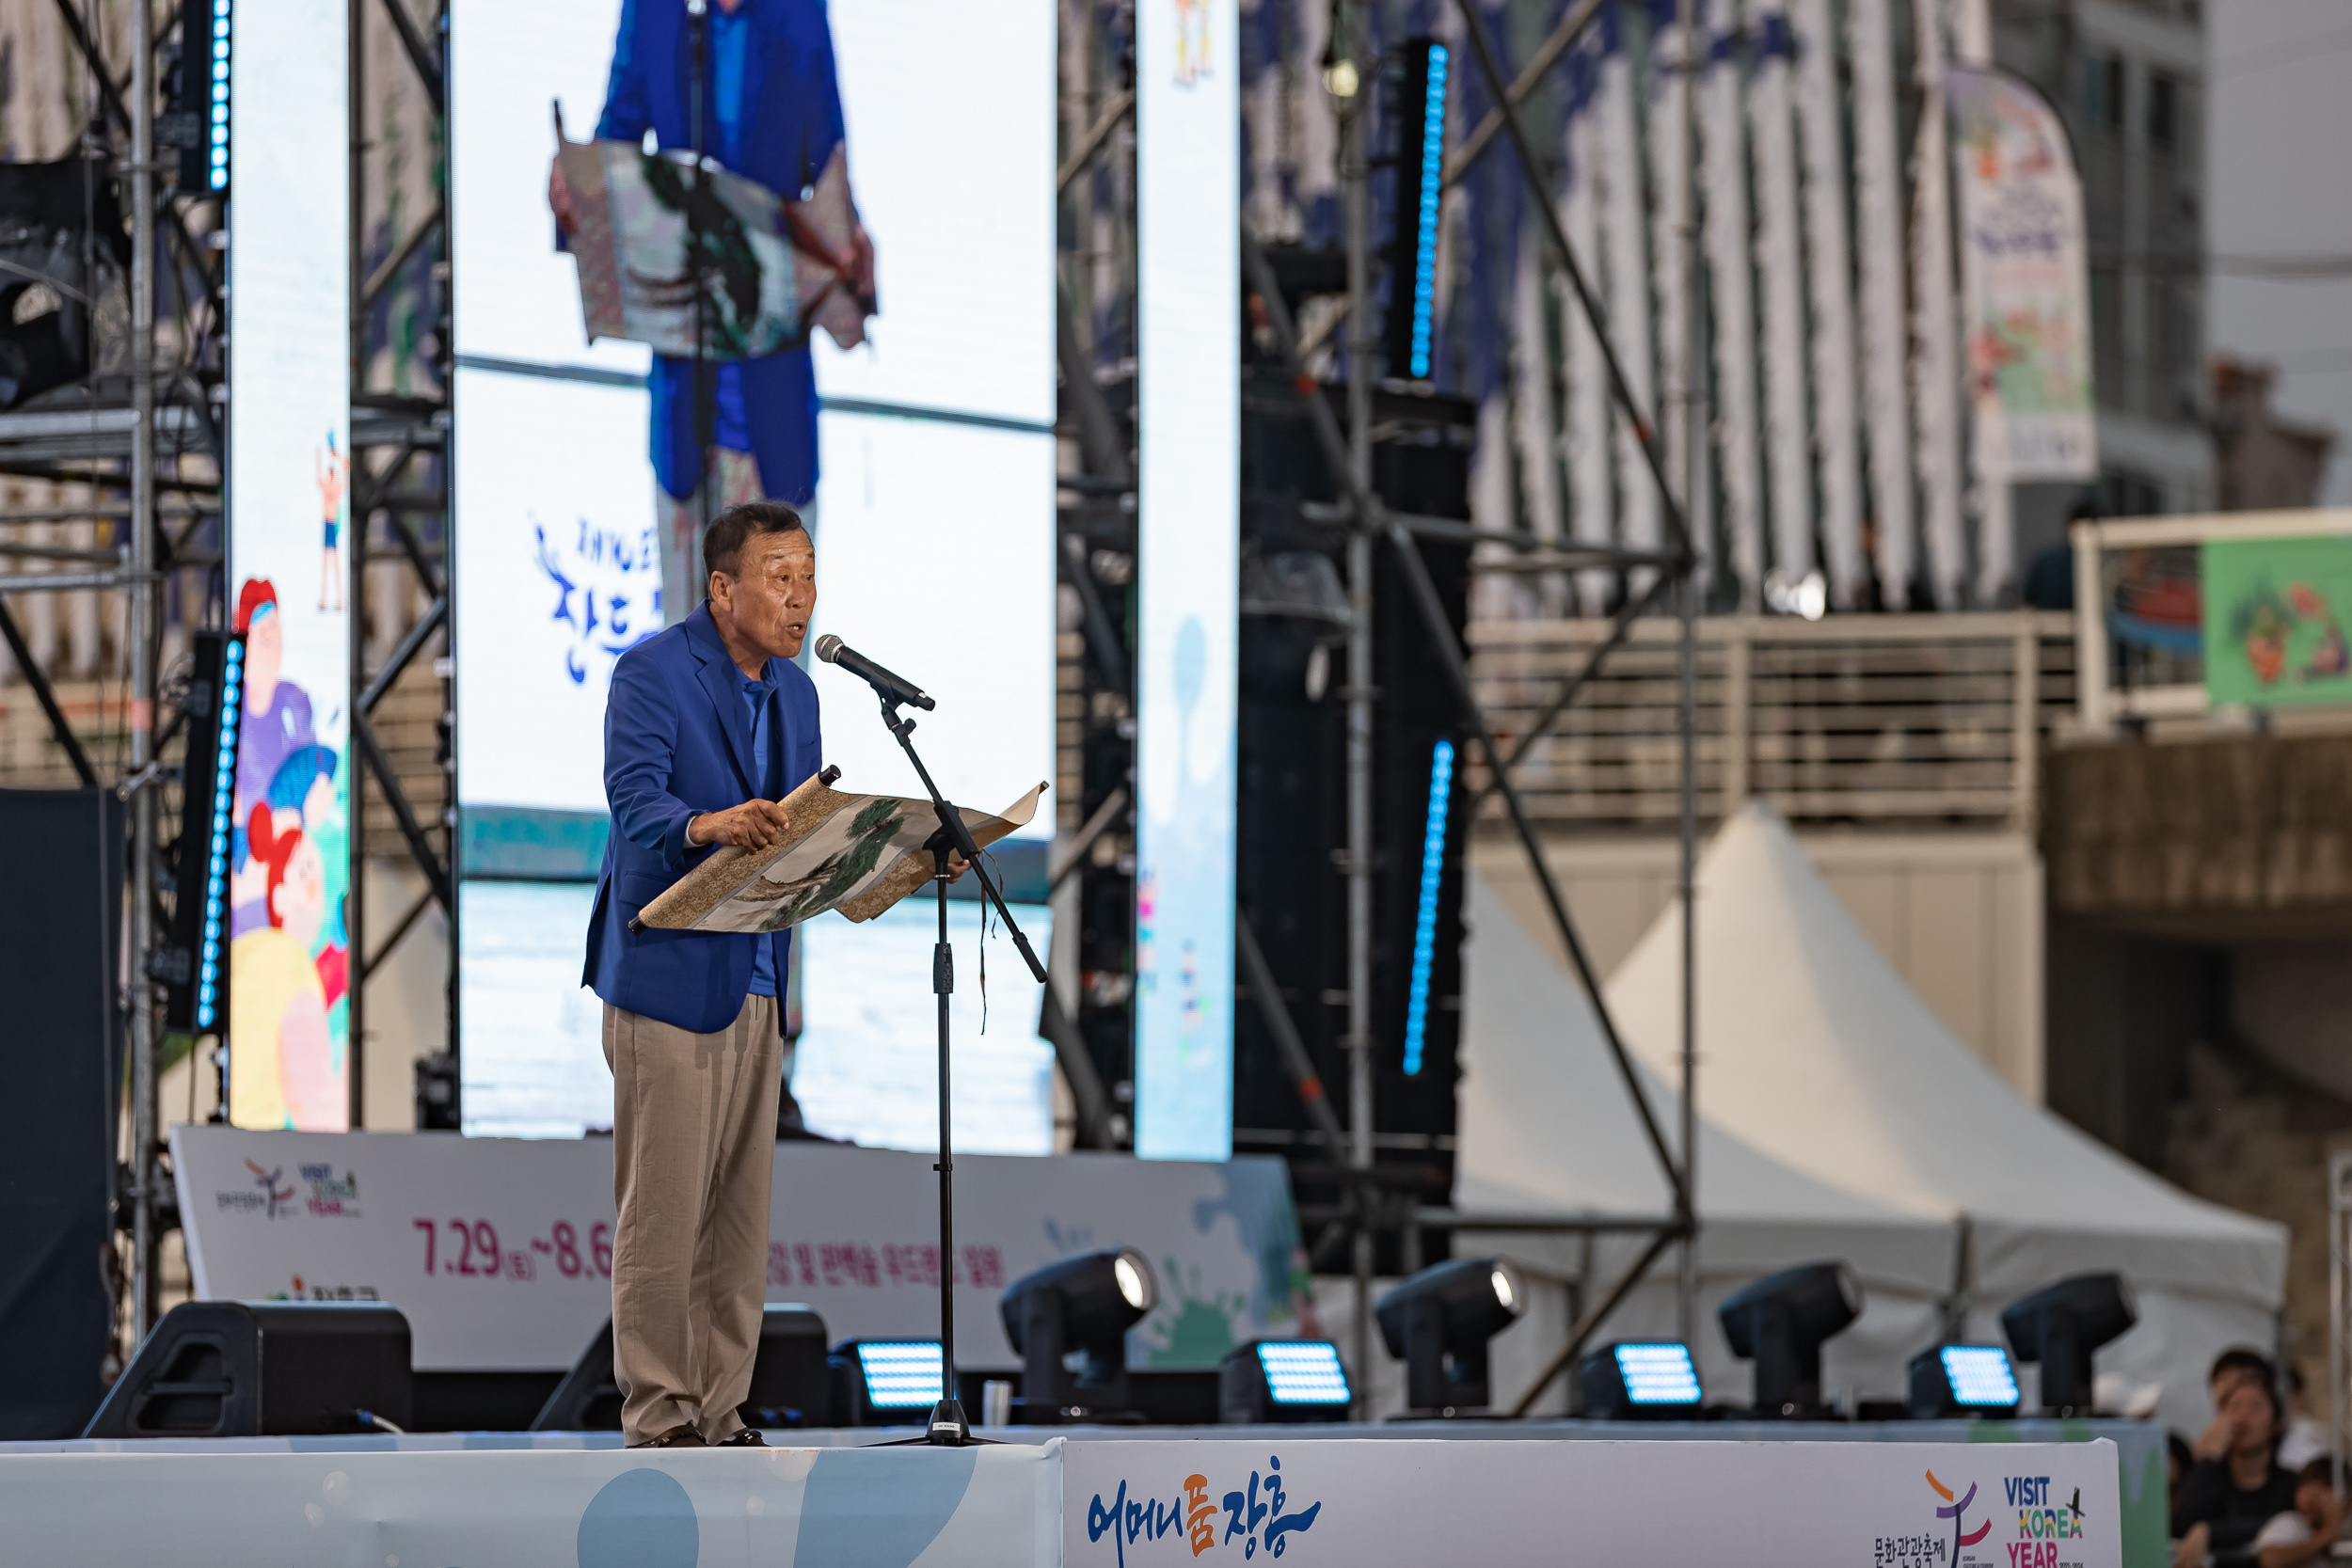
x=334, y=478
x=774, y=116
x=302, y=799
x=276, y=722
x=1192, y=40
x=283, y=1067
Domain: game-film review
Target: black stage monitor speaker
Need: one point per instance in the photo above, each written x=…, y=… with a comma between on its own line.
x=789, y=1386
x=61, y=1059
x=264, y=1368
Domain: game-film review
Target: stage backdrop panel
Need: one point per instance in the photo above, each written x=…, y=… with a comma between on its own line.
x=1188, y=223
x=499, y=1249
x=867, y=1053
x=934, y=509
x=288, y=573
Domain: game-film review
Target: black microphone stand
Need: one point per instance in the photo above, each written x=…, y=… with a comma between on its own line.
x=705, y=394
x=948, y=1425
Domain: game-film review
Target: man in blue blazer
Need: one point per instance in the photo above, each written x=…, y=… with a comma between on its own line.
x=709, y=726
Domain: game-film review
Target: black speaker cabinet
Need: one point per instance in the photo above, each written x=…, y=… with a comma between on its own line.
x=262, y=1369
x=788, y=1380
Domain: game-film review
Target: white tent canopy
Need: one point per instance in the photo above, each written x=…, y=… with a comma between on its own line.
x=1547, y=1128
x=1813, y=1050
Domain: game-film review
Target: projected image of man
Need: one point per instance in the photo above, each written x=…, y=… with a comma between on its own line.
x=771, y=112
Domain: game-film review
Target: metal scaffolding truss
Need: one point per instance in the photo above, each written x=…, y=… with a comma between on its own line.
x=1672, y=574
x=408, y=428
x=149, y=446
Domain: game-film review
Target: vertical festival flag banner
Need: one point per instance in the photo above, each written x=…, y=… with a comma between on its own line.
x=290, y=472
x=1187, y=160
x=2022, y=280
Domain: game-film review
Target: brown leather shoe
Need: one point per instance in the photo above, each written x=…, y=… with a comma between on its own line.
x=682, y=1436
x=747, y=1438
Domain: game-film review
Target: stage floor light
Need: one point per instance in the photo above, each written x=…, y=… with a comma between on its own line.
x=1635, y=1380
x=1962, y=1380
x=1779, y=1323
x=886, y=1382
x=2060, y=1325
x=1437, y=1322
x=1283, y=1380
x=1069, y=1321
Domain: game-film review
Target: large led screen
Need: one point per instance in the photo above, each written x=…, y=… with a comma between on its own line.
x=1187, y=220
x=932, y=511
x=289, y=582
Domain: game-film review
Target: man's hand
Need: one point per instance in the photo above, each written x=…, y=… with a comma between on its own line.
x=862, y=262
x=957, y=866
x=559, y=197
x=752, y=825
x=2193, y=1548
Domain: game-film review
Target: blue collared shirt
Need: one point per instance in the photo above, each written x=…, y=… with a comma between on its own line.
x=759, y=696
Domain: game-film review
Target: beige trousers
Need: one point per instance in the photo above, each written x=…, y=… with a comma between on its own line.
x=694, y=1152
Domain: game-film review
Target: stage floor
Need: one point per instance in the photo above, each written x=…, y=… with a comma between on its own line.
x=1937, y=1494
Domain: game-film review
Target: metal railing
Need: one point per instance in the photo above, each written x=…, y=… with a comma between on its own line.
x=1895, y=720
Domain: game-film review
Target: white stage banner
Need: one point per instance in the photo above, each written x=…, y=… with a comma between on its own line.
x=884, y=1508
x=1364, y=1503
x=499, y=1250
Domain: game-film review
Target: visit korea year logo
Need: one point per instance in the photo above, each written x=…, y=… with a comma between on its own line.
x=1972, y=1532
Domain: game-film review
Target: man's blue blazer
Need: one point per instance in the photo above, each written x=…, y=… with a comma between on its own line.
x=677, y=740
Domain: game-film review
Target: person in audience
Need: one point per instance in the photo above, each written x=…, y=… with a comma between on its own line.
x=2225, y=1502
x=2306, y=1437
x=2299, y=1534
x=2230, y=1369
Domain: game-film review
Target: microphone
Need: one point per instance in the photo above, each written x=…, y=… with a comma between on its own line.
x=895, y=689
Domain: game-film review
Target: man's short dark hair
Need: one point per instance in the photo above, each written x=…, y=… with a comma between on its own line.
x=738, y=525
x=2239, y=1359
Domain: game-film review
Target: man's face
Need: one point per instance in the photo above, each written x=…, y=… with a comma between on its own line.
x=772, y=597
x=2252, y=1418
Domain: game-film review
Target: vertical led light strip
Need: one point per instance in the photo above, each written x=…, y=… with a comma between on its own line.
x=1425, y=231
x=289, y=573
x=1425, y=920
x=220, y=836
x=1188, y=192
x=216, y=101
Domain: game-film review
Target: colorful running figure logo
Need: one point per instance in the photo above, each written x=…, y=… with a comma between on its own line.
x=1957, y=1513
x=334, y=478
